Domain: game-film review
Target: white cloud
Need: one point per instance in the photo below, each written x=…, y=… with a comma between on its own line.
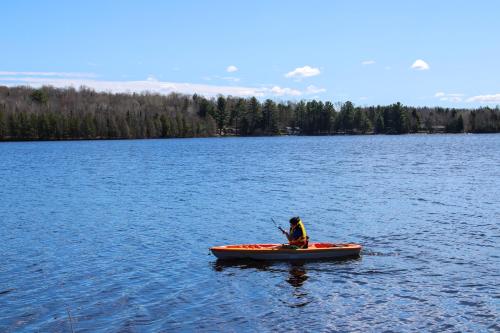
x=231, y=69
x=227, y=78
x=367, y=62
x=153, y=85
x=301, y=72
x=54, y=74
x=494, y=98
x=446, y=97
x=151, y=78
x=454, y=99
x=231, y=78
x=420, y=65
x=278, y=91
x=311, y=90
x=449, y=97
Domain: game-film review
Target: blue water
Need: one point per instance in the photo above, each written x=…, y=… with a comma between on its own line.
x=113, y=236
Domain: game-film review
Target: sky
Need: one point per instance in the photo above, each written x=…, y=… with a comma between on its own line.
x=421, y=53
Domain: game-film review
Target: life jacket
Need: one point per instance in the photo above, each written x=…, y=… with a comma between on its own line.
x=302, y=239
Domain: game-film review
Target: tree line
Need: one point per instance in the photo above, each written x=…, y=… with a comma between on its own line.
x=57, y=114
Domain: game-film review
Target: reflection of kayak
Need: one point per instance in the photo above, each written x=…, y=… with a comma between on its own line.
x=280, y=252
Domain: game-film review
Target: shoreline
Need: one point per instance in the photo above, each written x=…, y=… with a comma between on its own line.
x=238, y=136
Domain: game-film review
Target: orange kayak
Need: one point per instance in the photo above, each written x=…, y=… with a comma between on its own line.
x=280, y=252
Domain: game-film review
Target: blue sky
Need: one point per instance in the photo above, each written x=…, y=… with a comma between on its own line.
x=361, y=51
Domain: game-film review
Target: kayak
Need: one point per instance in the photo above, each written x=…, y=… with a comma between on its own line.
x=281, y=252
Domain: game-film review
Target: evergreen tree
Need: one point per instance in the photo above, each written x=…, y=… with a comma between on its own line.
x=472, y=121
x=236, y=114
x=220, y=114
x=327, y=117
x=40, y=96
x=253, y=115
x=346, y=117
x=300, y=115
x=415, y=121
x=398, y=119
x=165, y=130
x=379, y=126
x=269, y=117
x=361, y=121
x=3, y=127
x=460, y=124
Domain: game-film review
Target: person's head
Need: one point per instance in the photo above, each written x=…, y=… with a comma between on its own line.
x=294, y=220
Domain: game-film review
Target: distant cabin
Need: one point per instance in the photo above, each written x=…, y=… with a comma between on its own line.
x=439, y=129
x=292, y=130
x=231, y=131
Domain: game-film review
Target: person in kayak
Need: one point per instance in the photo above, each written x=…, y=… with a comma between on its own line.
x=297, y=236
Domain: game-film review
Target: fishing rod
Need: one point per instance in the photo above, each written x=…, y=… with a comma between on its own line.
x=277, y=226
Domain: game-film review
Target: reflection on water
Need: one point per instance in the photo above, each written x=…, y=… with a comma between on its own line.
x=294, y=273
x=297, y=275
x=285, y=273
x=221, y=265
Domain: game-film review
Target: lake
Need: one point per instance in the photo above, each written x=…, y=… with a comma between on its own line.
x=113, y=236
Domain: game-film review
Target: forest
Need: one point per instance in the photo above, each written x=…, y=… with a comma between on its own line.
x=50, y=113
